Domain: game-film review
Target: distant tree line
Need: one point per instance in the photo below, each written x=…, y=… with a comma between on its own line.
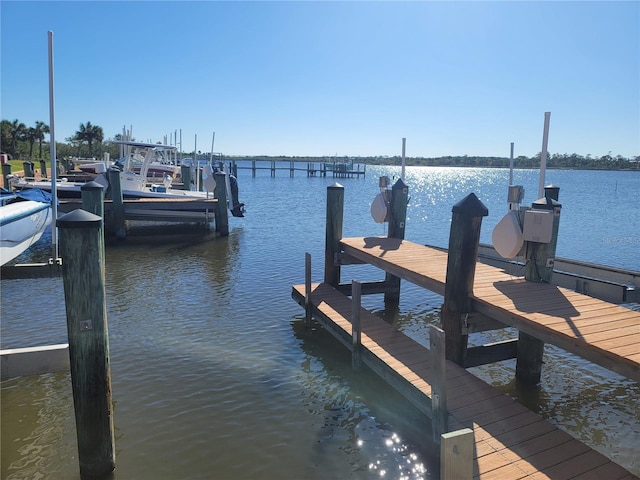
x=29, y=143
x=556, y=160
x=19, y=141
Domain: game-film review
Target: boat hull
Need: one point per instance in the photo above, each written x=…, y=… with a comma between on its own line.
x=21, y=225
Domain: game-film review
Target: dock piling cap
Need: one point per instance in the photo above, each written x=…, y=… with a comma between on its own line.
x=92, y=185
x=335, y=185
x=545, y=203
x=472, y=206
x=399, y=185
x=79, y=219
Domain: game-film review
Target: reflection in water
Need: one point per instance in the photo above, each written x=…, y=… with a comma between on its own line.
x=375, y=447
x=41, y=409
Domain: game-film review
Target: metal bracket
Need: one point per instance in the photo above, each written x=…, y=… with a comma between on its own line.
x=55, y=261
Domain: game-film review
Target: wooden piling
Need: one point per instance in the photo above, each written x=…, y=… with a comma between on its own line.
x=222, y=212
x=6, y=171
x=93, y=198
x=43, y=168
x=397, y=221
x=464, y=238
x=117, y=224
x=356, y=302
x=333, y=234
x=307, y=290
x=439, y=414
x=185, y=175
x=28, y=169
x=82, y=251
x=540, y=258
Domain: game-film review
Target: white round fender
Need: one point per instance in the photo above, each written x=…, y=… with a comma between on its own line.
x=379, y=209
x=208, y=180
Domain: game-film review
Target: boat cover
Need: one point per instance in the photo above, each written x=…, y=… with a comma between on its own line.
x=34, y=194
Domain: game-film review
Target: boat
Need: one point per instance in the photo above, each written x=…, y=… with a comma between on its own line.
x=134, y=169
x=24, y=216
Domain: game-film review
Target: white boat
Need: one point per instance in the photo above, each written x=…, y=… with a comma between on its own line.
x=23, y=218
x=135, y=165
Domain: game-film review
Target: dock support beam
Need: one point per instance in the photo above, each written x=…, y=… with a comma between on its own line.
x=464, y=239
x=333, y=234
x=456, y=455
x=82, y=251
x=540, y=258
x=307, y=290
x=397, y=221
x=439, y=414
x=356, y=339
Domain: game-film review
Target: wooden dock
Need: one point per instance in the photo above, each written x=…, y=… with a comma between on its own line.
x=323, y=169
x=509, y=440
x=601, y=332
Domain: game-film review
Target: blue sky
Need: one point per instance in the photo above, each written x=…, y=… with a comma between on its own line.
x=333, y=78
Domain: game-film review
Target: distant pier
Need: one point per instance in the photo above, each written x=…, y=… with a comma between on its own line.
x=335, y=169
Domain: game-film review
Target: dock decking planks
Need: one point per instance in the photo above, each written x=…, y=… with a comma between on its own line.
x=572, y=321
x=510, y=440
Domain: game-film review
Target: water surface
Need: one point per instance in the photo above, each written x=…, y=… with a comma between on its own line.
x=215, y=376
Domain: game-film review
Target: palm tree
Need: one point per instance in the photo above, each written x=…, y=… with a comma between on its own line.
x=40, y=129
x=90, y=133
x=30, y=136
x=17, y=132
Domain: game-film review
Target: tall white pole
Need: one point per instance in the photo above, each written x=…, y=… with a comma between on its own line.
x=511, y=166
x=52, y=150
x=195, y=158
x=543, y=155
x=404, y=142
x=213, y=139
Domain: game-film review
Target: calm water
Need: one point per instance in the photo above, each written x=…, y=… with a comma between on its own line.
x=214, y=375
